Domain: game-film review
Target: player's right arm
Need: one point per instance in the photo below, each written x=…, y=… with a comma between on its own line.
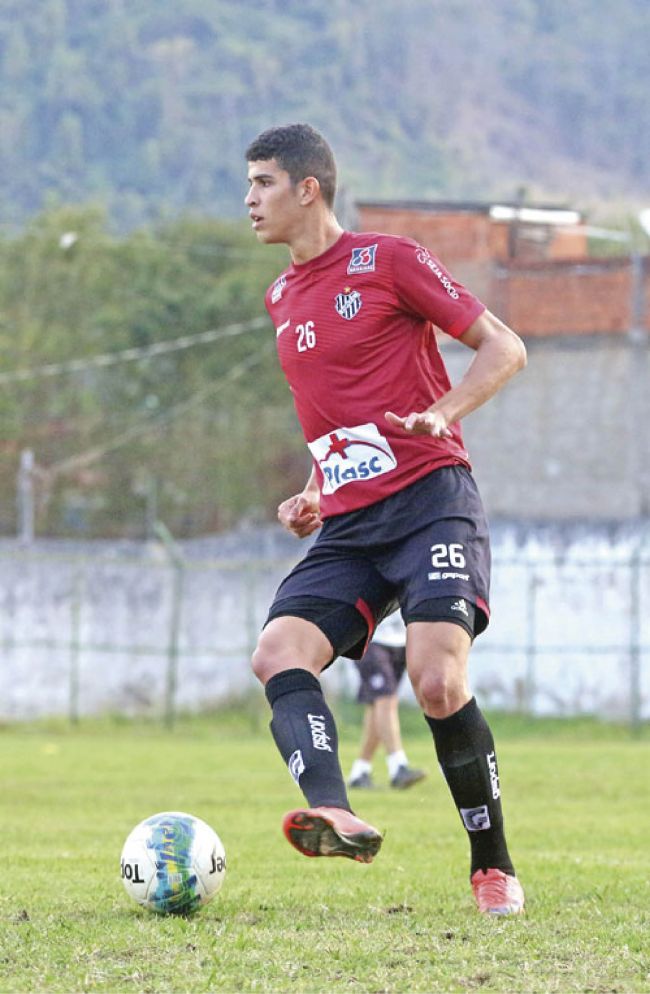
x=300, y=514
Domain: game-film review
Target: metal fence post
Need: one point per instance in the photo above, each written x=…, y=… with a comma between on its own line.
x=530, y=679
x=177, y=563
x=25, y=497
x=75, y=648
x=251, y=639
x=636, y=563
x=635, y=649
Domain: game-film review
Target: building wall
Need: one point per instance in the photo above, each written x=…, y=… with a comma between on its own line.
x=457, y=236
x=567, y=438
x=594, y=296
x=550, y=287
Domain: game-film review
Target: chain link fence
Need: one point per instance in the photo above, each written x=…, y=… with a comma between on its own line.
x=156, y=629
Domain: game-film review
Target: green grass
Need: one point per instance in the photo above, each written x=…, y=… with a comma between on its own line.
x=577, y=812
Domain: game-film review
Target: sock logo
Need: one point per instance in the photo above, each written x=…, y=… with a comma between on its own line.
x=319, y=737
x=296, y=765
x=476, y=819
x=494, y=775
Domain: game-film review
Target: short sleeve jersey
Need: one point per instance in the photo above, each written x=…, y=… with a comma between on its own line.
x=355, y=338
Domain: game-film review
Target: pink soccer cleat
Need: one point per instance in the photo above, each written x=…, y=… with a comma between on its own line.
x=497, y=893
x=331, y=832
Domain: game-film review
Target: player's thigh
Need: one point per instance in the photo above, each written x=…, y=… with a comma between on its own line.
x=343, y=596
x=289, y=642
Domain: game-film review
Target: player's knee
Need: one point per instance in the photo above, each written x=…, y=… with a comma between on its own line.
x=267, y=658
x=434, y=692
x=441, y=688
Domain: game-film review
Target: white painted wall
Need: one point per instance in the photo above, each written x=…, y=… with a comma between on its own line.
x=87, y=628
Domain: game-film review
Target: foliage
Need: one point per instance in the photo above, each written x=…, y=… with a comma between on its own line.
x=576, y=809
x=145, y=110
x=196, y=431
x=148, y=107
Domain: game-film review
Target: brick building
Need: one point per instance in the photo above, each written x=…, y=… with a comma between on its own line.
x=569, y=439
x=530, y=264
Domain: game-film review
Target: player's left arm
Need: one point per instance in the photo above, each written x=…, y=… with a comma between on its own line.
x=499, y=354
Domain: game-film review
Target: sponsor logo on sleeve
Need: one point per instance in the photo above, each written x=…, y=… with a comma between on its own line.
x=426, y=259
x=352, y=455
x=278, y=287
x=362, y=260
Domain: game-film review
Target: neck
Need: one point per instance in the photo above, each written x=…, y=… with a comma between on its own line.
x=315, y=240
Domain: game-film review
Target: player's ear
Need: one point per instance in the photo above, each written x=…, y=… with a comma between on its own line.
x=310, y=190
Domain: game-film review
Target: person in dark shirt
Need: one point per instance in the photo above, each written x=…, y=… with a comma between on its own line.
x=381, y=669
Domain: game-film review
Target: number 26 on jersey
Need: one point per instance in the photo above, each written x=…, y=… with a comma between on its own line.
x=306, y=336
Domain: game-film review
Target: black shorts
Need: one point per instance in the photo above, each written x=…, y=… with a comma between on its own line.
x=380, y=668
x=426, y=543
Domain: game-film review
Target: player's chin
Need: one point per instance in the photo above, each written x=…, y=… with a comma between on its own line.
x=266, y=237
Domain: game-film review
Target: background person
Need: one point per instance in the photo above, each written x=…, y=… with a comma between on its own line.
x=381, y=669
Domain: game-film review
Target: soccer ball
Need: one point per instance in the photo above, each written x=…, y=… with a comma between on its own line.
x=173, y=863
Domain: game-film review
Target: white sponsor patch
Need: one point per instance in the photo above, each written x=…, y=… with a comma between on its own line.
x=363, y=259
x=476, y=819
x=352, y=455
x=278, y=287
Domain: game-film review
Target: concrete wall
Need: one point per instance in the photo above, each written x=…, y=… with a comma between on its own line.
x=100, y=628
x=567, y=439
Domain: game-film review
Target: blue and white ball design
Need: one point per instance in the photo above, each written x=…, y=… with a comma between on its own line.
x=173, y=863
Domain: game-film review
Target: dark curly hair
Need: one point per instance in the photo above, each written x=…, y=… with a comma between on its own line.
x=301, y=151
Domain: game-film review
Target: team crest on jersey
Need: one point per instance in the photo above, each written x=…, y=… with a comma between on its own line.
x=362, y=260
x=278, y=287
x=348, y=303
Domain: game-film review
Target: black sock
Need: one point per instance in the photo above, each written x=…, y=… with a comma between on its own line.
x=304, y=732
x=465, y=749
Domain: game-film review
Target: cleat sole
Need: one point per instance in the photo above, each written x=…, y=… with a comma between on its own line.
x=313, y=835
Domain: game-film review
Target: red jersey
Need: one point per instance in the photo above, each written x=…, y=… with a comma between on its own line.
x=355, y=337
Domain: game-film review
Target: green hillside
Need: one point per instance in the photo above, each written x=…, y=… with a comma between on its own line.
x=146, y=107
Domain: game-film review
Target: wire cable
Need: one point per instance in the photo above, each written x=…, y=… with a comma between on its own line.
x=133, y=354
x=154, y=424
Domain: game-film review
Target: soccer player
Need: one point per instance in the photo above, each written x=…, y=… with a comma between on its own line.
x=381, y=669
x=391, y=491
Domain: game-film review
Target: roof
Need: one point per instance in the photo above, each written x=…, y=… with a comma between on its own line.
x=501, y=210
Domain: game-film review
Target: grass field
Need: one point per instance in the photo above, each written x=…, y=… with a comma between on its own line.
x=577, y=810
